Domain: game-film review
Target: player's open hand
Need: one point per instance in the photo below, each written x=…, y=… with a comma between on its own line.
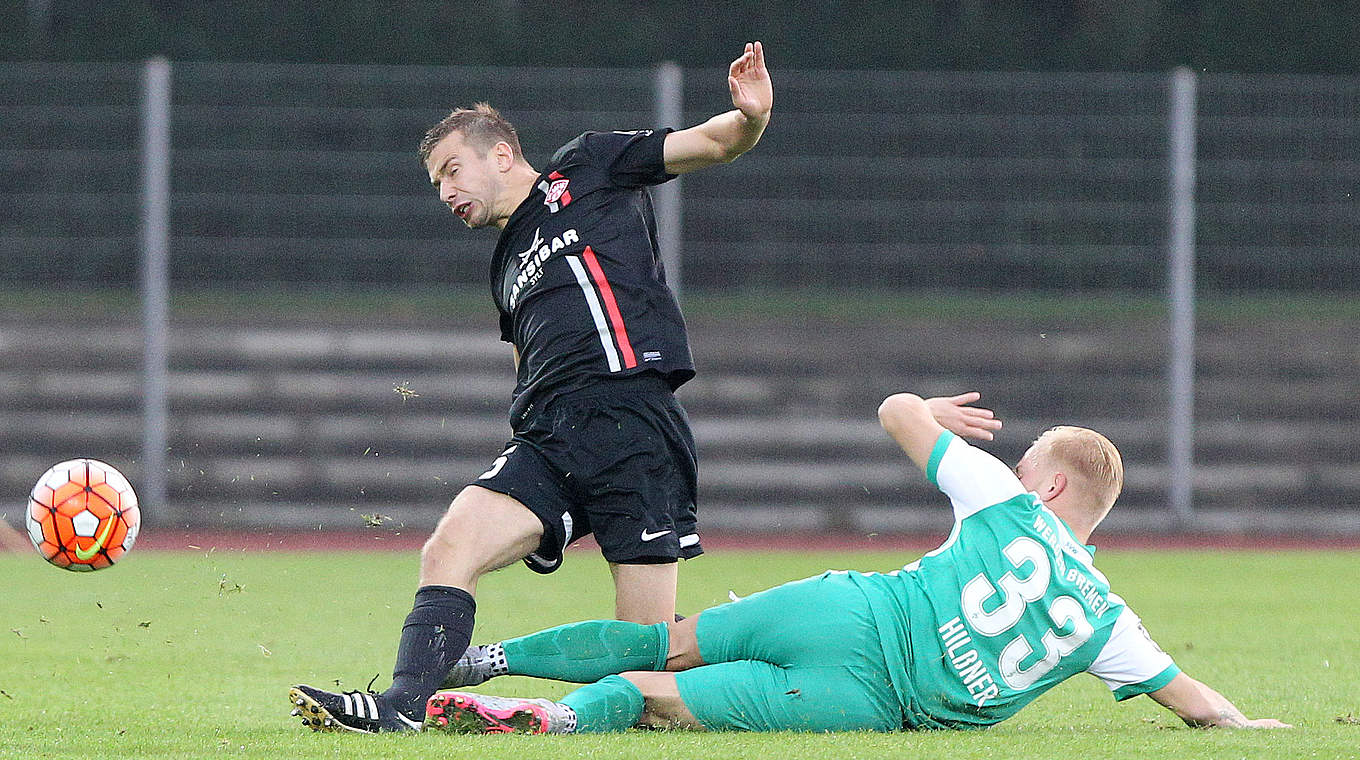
x=1266, y=723
x=955, y=415
x=747, y=77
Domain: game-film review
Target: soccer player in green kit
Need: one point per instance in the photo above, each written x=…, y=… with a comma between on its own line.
x=1007, y=608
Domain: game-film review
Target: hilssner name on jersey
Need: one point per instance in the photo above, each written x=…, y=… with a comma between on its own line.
x=968, y=665
x=577, y=274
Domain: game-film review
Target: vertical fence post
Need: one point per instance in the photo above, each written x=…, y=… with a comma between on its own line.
x=1181, y=294
x=155, y=245
x=669, y=83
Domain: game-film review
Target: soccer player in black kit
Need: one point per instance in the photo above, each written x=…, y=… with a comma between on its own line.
x=599, y=443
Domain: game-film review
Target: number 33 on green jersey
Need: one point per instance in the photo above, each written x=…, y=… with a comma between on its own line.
x=1007, y=608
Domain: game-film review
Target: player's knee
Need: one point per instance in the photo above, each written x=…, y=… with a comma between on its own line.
x=652, y=684
x=479, y=533
x=452, y=530
x=662, y=705
x=442, y=555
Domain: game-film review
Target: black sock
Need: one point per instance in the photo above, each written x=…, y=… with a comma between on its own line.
x=435, y=635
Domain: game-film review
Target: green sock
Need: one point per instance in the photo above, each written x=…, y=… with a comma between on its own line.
x=611, y=704
x=586, y=652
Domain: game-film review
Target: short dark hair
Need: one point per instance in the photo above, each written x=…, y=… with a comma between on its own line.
x=481, y=125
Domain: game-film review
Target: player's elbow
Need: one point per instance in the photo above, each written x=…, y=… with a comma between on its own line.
x=729, y=145
x=725, y=151
x=898, y=408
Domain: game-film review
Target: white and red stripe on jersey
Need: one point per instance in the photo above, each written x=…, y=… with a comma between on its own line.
x=604, y=309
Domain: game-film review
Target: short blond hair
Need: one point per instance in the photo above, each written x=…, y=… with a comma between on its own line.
x=1089, y=456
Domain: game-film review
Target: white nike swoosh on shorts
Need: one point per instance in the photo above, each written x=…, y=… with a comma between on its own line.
x=653, y=536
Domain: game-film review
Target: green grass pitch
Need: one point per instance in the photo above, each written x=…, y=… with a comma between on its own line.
x=189, y=655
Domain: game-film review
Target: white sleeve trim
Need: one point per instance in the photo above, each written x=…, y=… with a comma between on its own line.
x=1130, y=656
x=974, y=479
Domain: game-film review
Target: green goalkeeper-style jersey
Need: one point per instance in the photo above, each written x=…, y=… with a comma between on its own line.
x=1007, y=608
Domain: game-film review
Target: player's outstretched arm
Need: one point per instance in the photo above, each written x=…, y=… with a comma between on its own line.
x=1202, y=707
x=916, y=423
x=727, y=135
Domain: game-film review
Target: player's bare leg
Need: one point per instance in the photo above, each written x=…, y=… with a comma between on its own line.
x=662, y=705
x=482, y=531
x=645, y=593
x=682, y=652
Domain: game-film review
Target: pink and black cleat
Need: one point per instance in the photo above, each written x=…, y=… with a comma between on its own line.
x=457, y=712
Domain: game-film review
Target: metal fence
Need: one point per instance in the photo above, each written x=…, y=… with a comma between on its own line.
x=307, y=174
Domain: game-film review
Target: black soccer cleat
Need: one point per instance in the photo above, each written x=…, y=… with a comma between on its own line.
x=363, y=712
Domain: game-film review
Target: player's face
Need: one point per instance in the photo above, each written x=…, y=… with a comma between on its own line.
x=466, y=179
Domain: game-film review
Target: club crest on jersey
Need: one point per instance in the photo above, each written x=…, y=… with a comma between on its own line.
x=555, y=193
x=556, y=190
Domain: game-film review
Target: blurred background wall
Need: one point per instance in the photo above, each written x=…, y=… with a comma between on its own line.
x=952, y=196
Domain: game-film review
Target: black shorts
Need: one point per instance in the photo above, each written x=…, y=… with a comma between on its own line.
x=616, y=460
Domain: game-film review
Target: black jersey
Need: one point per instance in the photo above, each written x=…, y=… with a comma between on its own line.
x=577, y=273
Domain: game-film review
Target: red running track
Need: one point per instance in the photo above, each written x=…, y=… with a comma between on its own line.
x=386, y=540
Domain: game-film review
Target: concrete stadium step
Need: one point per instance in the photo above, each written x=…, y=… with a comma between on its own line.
x=786, y=397
x=1289, y=351
x=1296, y=373
x=310, y=415
x=371, y=478
x=60, y=346
x=403, y=432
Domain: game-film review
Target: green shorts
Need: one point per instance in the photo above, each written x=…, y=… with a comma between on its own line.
x=804, y=656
